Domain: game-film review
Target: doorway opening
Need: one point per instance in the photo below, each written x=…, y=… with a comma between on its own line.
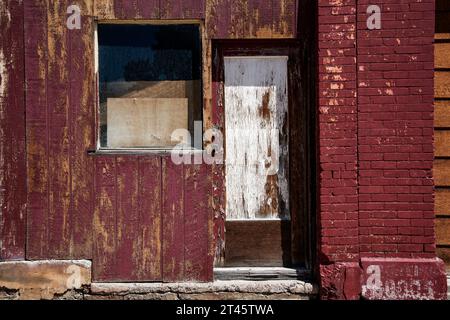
x=268, y=129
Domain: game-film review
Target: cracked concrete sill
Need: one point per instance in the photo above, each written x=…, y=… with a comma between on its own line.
x=224, y=290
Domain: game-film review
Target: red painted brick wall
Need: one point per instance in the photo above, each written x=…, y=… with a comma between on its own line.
x=338, y=158
x=338, y=187
x=395, y=130
x=376, y=149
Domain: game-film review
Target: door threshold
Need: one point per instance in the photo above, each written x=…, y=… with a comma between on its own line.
x=261, y=273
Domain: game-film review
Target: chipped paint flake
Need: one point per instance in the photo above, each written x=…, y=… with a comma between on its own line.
x=334, y=69
x=3, y=74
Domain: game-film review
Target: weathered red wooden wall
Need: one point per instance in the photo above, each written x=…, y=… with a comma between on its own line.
x=151, y=219
x=12, y=132
x=138, y=217
x=60, y=129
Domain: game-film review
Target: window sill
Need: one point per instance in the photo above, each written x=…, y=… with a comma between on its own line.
x=141, y=151
x=261, y=273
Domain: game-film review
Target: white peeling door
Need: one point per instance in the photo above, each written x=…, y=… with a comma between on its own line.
x=256, y=137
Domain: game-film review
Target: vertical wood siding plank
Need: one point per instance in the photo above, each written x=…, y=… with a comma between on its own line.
x=196, y=181
x=104, y=244
x=36, y=58
x=218, y=205
x=217, y=89
x=12, y=132
x=82, y=123
x=207, y=80
x=218, y=170
x=128, y=251
x=238, y=19
x=150, y=218
x=297, y=157
x=15, y=197
x=259, y=19
x=173, y=221
x=59, y=228
x=218, y=18
x=284, y=19
x=209, y=270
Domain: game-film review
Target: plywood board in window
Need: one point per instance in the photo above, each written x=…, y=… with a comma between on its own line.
x=145, y=122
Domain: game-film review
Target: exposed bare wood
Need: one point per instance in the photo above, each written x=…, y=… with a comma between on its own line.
x=441, y=143
x=441, y=55
x=442, y=84
x=207, y=80
x=442, y=228
x=258, y=243
x=442, y=202
x=442, y=172
x=442, y=36
x=442, y=114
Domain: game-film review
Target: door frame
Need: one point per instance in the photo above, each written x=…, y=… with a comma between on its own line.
x=301, y=119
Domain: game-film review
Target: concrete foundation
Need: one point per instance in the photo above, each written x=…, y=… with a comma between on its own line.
x=31, y=280
x=71, y=280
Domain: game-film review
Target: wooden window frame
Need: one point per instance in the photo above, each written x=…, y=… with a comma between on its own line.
x=99, y=150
